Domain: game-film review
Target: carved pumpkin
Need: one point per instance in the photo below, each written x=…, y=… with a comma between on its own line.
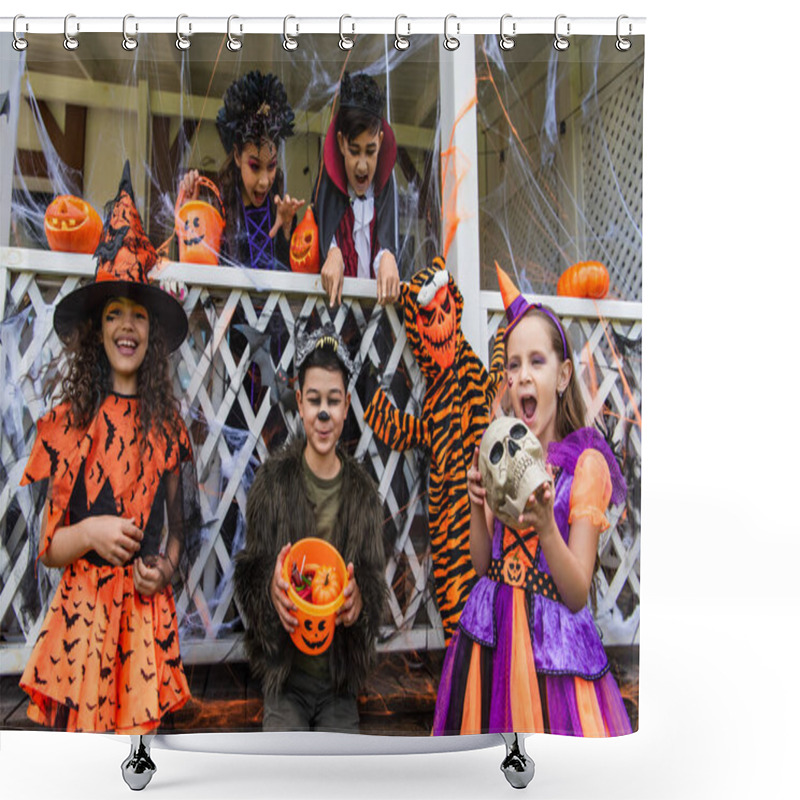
x=325, y=586
x=72, y=225
x=585, y=279
x=304, y=247
x=437, y=320
x=199, y=227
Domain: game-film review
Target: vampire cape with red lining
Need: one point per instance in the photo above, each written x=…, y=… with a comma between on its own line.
x=333, y=200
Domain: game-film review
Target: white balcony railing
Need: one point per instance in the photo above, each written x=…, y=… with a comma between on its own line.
x=212, y=380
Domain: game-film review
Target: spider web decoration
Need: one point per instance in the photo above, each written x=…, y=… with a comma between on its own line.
x=559, y=163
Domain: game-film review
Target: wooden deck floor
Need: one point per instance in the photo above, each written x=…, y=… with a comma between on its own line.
x=398, y=699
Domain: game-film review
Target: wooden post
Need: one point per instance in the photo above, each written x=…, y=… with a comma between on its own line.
x=459, y=170
x=9, y=83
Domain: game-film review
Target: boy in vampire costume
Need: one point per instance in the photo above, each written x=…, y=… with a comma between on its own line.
x=355, y=209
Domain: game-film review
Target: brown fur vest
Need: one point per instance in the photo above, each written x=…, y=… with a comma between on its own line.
x=278, y=512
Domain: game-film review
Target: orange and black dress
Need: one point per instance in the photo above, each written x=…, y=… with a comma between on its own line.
x=108, y=658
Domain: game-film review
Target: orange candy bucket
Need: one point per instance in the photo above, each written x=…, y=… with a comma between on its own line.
x=316, y=623
x=199, y=226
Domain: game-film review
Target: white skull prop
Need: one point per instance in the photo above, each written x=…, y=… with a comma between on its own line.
x=512, y=467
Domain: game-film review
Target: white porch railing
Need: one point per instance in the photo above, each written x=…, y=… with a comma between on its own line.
x=212, y=382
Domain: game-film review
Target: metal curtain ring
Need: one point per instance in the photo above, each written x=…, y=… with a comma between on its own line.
x=182, y=43
x=401, y=42
x=623, y=44
x=289, y=43
x=507, y=42
x=70, y=42
x=234, y=44
x=345, y=42
x=451, y=42
x=560, y=42
x=128, y=42
x=19, y=42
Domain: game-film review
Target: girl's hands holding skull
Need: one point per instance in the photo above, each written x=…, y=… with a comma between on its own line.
x=475, y=488
x=539, y=510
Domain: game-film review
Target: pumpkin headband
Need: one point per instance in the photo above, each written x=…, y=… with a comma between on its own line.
x=324, y=338
x=517, y=306
x=124, y=258
x=254, y=108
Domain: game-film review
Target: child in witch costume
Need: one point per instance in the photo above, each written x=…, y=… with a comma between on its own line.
x=527, y=657
x=119, y=463
x=355, y=200
x=312, y=488
x=253, y=121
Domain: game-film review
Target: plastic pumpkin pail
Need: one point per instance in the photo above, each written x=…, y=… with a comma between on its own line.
x=199, y=227
x=316, y=623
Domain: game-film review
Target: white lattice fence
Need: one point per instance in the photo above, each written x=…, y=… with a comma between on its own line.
x=234, y=426
x=611, y=171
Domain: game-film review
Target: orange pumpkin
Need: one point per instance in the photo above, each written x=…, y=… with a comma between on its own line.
x=72, y=225
x=325, y=586
x=304, y=247
x=585, y=279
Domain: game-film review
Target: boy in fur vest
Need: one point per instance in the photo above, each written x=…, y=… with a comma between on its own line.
x=312, y=488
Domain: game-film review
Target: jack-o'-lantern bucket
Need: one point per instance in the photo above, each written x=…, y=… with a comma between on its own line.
x=304, y=247
x=314, y=570
x=199, y=226
x=72, y=225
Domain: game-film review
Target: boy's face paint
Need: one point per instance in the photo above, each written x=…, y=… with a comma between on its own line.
x=258, y=167
x=125, y=327
x=360, y=159
x=323, y=404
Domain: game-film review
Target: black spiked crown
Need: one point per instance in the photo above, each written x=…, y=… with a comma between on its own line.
x=255, y=108
x=361, y=91
x=322, y=338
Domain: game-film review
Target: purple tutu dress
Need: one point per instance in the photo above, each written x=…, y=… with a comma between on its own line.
x=520, y=660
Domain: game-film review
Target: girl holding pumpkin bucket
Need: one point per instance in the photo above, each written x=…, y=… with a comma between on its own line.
x=527, y=657
x=254, y=119
x=119, y=463
x=312, y=488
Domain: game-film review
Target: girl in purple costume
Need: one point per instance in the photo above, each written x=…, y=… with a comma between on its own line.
x=254, y=119
x=527, y=656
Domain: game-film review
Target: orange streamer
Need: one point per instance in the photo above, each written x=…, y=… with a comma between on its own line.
x=588, y=360
x=450, y=218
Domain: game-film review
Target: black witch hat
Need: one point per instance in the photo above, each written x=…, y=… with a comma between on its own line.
x=124, y=258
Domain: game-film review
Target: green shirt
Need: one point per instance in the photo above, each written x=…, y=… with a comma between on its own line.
x=325, y=495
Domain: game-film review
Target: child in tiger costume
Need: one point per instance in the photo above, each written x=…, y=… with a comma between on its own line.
x=120, y=468
x=458, y=398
